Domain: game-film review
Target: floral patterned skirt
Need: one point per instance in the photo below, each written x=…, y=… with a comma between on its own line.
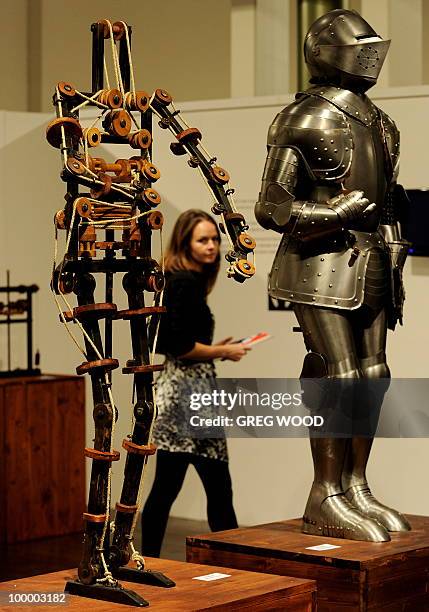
x=172, y=392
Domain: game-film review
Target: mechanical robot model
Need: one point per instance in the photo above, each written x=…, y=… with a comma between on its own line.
x=110, y=197
x=330, y=187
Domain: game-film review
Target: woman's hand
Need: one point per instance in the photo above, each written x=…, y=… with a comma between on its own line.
x=224, y=341
x=235, y=351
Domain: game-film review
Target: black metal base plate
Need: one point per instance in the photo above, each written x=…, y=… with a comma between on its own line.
x=116, y=594
x=130, y=574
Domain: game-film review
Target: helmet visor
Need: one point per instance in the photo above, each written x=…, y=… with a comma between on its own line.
x=361, y=59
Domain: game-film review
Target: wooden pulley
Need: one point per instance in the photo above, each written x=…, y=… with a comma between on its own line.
x=138, y=103
x=150, y=171
x=84, y=207
x=140, y=140
x=138, y=449
x=92, y=136
x=137, y=162
x=100, y=364
x=72, y=131
x=177, y=149
x=94, y=518
x=155, y=220
x=118, y=122
x=123, y=175
x=244, y=267
x=97, y=164
x=99, y=191
x=220, y=175
x=234, y=216
x=75, y=166
x=118, y=29
x=155, y=283
x=163, y=97
x=151, y=197
x=246, y=241
x=99, y=455
x=66, y=89
x=111, y=98
x=189, y=135
x=60, y=219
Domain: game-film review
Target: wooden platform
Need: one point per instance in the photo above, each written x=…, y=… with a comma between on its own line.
x=239, y=592
x=389, y=576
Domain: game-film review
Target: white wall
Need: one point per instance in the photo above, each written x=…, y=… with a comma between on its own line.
x=271, y=477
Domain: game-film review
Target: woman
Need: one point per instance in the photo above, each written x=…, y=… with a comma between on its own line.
x=186, y=333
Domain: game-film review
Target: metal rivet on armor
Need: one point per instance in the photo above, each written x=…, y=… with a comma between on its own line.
x=312, y=223
x=325, y=149
x=322, y=259
x=319, y=159
x=319, y=274
x=357, y=113
x=304, y=280
x=315, y=148
x=330, y=284
x=335, y=150
x=329, y=158
x=316, y=289
x=325, y=219
x=363, y=254
x=355, y=299
x=332, y=142
x=314, y=299
x=359, y=278
x=346, y=105
x=343, y=165
x=307, y=265
x=305, y=216
x=322, y=139
x=333, y=269
x=326, y=173
x=336, y=301
x=347, y=148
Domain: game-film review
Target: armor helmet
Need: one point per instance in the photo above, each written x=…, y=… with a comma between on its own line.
x=342, y=48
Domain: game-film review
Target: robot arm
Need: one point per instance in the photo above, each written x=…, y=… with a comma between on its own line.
x=277, y=208
x=188, y=141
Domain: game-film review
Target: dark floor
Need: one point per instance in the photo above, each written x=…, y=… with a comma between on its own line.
x=53, y=554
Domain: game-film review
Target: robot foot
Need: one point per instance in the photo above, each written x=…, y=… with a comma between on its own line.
x=336, y=517
x=361, y=497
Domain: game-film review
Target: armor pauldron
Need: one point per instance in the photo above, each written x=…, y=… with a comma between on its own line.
x=318, y=133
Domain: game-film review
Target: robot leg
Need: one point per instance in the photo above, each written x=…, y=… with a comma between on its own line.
x=137, y=445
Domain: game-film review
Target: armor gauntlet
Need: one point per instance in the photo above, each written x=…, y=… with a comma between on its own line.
x=278, y=210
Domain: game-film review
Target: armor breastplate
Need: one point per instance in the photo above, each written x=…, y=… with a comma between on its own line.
x=355, y=145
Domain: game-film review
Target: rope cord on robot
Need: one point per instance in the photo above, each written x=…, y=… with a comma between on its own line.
x=89, y=100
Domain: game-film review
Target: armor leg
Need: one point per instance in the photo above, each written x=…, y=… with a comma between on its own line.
x=355, y=485
x=328, y=511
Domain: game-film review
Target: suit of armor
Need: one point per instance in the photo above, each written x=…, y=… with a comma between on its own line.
x=329, y=186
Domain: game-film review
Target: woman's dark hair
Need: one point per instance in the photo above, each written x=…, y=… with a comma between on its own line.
x=178, y=254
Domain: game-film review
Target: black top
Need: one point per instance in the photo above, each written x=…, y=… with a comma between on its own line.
x=188, y=318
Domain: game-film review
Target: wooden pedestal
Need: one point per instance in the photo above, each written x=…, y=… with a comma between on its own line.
x=42, y=471
x=388, y=576
x=237, y=593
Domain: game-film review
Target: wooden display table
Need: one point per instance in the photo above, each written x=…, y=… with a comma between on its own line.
x=42, y=470
x=388, y=576
x=239, y=592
